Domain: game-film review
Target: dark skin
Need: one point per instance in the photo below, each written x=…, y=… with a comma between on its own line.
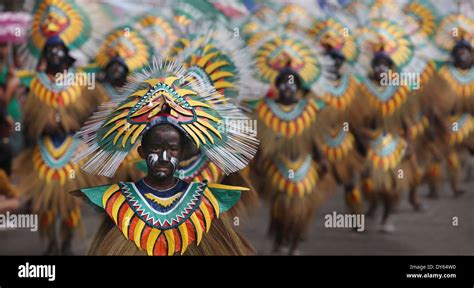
x=288, y=88
x=116, y=74
x=463, y=58
x=380, y=66
x=161, y=138
x=339, y=61
x=56, y=56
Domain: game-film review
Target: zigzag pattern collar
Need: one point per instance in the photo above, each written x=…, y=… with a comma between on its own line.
x=180, y=212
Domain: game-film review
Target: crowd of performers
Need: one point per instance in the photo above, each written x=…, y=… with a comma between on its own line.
x=201, y=109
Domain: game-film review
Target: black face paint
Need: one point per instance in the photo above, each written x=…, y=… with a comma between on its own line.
x=55, y=56
x=463, y=58
x=116, y=74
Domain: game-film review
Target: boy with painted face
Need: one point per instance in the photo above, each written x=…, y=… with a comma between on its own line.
x=162, y=214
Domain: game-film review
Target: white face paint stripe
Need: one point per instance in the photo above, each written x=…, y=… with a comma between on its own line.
x=152, y=159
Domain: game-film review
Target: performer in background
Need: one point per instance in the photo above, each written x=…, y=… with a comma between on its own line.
x=56, y=107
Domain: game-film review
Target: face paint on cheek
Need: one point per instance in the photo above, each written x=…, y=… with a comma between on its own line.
x=172, y=160
x=152, y=159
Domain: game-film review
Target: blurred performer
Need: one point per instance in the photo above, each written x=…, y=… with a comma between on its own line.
x=389, y=90
x=449, y=100
x=287, y=164
x=339, y=145
x=288, y=157
x=57, y=105
x=122, y=52
x=162, y=214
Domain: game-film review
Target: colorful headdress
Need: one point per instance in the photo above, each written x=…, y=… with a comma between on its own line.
x=128, y=44
x=159, y=30
x=219, y=58
x=70, y=20
x=58, y=18
x=425, y=14
x=277, y=51
x=297, y=16
x=409, y=52
x=387, y=37
x=452, y=29
x=334, y=34
x=193, y=107
x=190, y=12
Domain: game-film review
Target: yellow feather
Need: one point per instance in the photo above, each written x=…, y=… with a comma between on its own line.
x=209, y=69
x=117, y=204
x=223, y=84
x=221, y=74
x=184, y=237
x=208, y=116
x=210, y=127
x=204, y=130
x=207, y=217
x=197, y=227
x=138, y=232
x=203, y=61
x=171, y=242
x=127, y=135
x=208, y=194
x=126, y=221
x=150, y=242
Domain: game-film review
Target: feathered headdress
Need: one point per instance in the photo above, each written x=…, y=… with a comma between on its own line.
x=216, y=56
x=159, y=29
x=453, y=29
x=167, y=93
x=129, y=45
x=334, y=34
x=79, y=24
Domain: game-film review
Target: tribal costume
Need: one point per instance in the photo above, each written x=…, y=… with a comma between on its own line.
x=286, y=170
x=170, y=221
x=52, y=113
x=449, y=96
x=339, y=145
x=393, y=108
